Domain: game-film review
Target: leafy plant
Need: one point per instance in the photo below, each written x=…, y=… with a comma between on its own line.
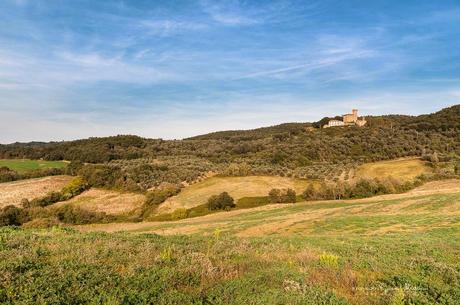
x=329, y=260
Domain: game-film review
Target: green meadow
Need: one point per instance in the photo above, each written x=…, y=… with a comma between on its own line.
x=24, y=165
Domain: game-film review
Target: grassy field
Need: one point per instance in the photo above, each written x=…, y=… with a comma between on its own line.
x=404, y=169
x=11, y=193
x=437, y=202
x=23, y=165
x=237, y=187
x=394, y=249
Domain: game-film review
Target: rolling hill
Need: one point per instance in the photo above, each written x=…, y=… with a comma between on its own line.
x=293, y=150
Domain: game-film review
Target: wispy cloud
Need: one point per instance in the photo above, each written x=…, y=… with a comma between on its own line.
x=175, y=69
x=311, y=66
x=171, y=27
x=231, y=13
x=67, y=67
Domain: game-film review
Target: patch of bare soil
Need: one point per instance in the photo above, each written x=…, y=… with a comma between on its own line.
x=11, y=193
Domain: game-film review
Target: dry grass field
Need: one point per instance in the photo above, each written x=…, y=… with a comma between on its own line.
x=11, y=193
x=434, y=205
x=109, y=202
x=403, y=169
x=237, y=187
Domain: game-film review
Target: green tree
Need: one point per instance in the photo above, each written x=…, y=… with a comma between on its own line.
x=282, y=196
x=222, y=201
x=275, y=195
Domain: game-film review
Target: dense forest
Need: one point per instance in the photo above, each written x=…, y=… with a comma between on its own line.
x=294, y=149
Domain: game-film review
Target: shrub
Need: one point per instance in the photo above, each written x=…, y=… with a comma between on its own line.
x=222, y=201
x=290, y=196
x=251, y=202
x=41, y=223
x=102, y=175
x=274, y=195
x=75, y=215
x=309, y=193
x=361, y=189
x=7, y=174
x=49, y=199
x=11, y=216
x=364, y=188
x=74, y=167
x=237, y=170
x=157, y=196
x=75, y=187
x=179, y=214
x=282, y=196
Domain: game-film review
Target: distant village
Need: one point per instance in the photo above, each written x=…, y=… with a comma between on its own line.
x=349, y=119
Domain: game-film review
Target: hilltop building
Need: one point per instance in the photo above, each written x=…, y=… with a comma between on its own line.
x=349, y=119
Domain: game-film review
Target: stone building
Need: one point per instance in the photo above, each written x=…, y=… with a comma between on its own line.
x=334, y=123
x=349, y=119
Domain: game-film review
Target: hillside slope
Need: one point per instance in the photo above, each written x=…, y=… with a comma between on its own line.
x=237, y=187
x=293, y=150
x=432, y=206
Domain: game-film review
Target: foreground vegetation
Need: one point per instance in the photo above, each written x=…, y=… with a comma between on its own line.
x=384, y=251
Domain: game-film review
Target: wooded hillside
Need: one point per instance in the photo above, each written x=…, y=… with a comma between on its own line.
x=292, y=149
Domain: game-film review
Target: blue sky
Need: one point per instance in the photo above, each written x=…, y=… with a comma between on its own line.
x=172, y=69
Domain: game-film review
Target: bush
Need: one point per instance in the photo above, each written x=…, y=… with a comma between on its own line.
x=11, y=216
x=157, y=196
x=282, y=196
x=363, y=188
x=101, y=175
x=179, y=214
x=309, y=193
x=7, y=175
x=222, y=201
x=72, y=189
x=252, y=202
x=74, y=167
x=41, y=223
x=75, y=215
